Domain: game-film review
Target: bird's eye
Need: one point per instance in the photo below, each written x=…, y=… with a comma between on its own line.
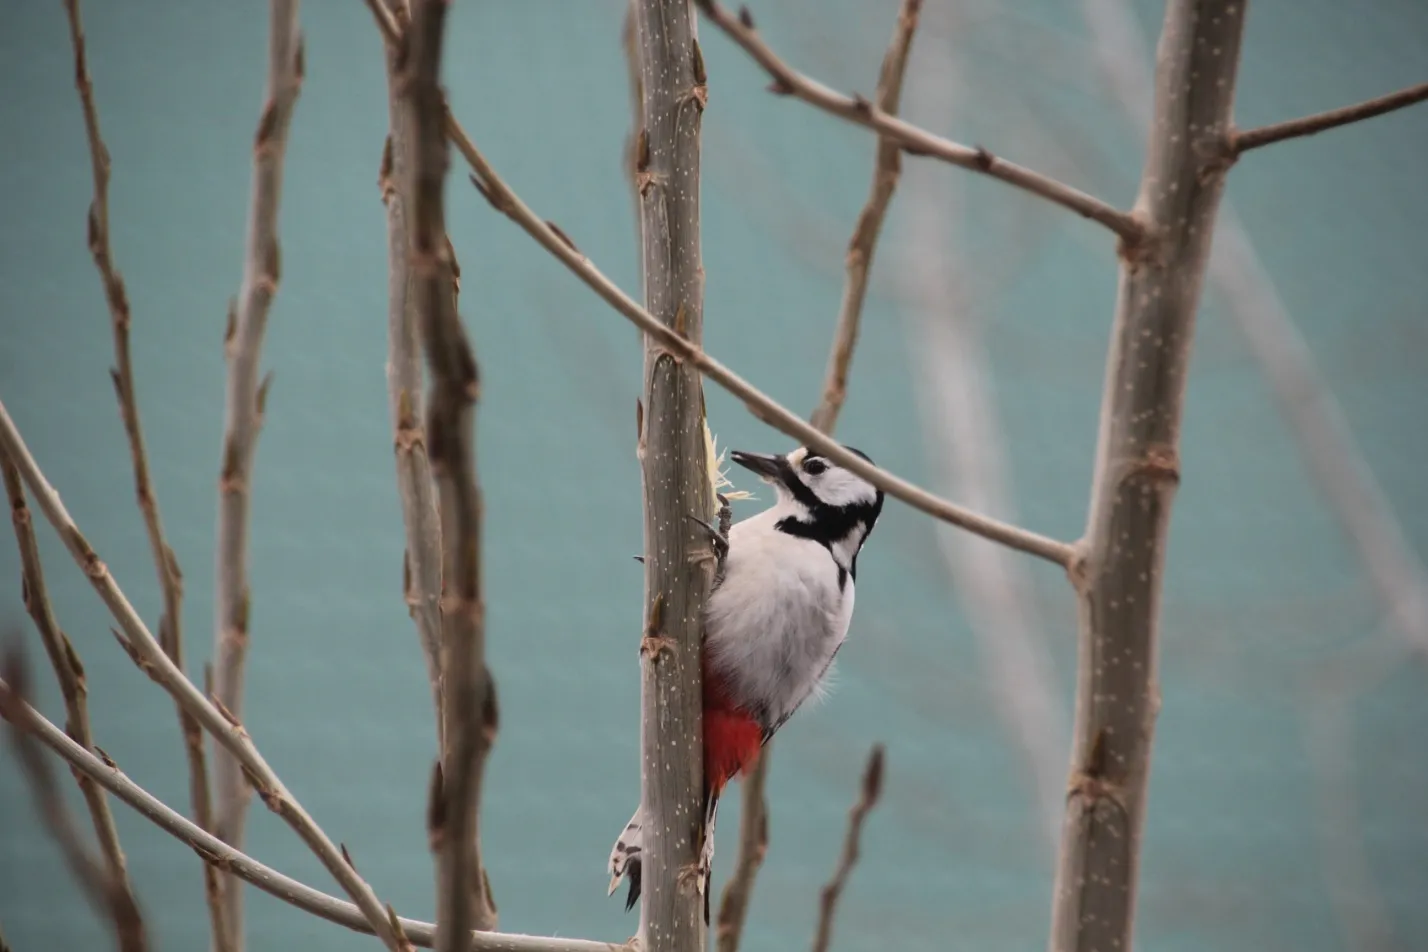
x=814, y=466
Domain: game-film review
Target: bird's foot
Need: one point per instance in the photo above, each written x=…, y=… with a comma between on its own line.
x=718, y=534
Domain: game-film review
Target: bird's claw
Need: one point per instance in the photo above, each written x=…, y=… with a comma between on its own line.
x=718, y=535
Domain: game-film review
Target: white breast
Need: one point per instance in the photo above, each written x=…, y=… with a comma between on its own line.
x=777, y=619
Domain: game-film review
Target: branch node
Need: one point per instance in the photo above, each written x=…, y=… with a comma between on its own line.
x=1160, y=464
x=562, y=236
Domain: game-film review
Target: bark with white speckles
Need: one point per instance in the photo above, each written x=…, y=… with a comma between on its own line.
x=1119, y=571
x=679, y=562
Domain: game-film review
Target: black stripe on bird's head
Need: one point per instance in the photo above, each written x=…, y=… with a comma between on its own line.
x=825, y=501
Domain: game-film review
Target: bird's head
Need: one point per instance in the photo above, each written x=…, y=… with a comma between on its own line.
x=815, y=489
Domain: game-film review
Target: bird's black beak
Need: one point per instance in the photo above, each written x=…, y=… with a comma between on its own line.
x=768, y=467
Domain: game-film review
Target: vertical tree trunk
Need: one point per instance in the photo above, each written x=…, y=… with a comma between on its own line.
x=1118, y=573
x=679, y=561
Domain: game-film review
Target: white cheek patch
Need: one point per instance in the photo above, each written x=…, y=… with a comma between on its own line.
x=838, y=487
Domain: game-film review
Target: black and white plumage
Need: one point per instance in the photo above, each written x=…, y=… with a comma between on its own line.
x=779, y=612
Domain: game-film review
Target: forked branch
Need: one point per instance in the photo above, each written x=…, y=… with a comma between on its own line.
x=217, y=720
x=243, y=415
x=1120, y=578
x=1243, y=140
x=165, y=562
x=217, y=853
x=469, y=715
x=855, y=109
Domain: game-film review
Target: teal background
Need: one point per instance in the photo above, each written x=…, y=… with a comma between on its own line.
x=1269, y=621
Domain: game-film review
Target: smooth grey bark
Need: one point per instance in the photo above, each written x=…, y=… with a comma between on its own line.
x=679, y=561
x=1119, y=572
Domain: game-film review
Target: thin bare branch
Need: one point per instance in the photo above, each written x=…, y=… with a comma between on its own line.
x=215, y=852
x=469, y=728
x=165, y=562
x=243, y=416
x=67, y=667
x=421, y=576
x=1242, y=140
x=679, y=563
x=146, y=652
x=753, y=847
x=913, y=139
x=504, y=200
x=886, y=171
x=1120, y=574
x=868, y=794
x=104, y=886
x=887, y=168
x=759, y=404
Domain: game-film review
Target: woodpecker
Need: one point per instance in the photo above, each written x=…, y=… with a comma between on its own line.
x=778, y=613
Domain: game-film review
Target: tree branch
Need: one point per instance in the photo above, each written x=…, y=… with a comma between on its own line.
x=421, y=575
x=753, y=847
x=886, y=170
x=1308, y=404
x=1242, y=140
x=505, y=201
x=243, y=416
x=104, y=886
x=68, y=671
x=469, y=715
x=146, y=652
x=679, y=563
x=165, y=562
x=759, y=404
x=868, y=795
x=855, y=109
x=215, y=852
x=1120, y=574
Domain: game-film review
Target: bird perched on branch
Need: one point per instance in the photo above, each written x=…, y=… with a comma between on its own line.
x=779, y=612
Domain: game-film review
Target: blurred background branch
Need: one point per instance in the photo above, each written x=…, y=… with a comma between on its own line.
x=966, y=446
x=103, y=884
x=469, y=715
